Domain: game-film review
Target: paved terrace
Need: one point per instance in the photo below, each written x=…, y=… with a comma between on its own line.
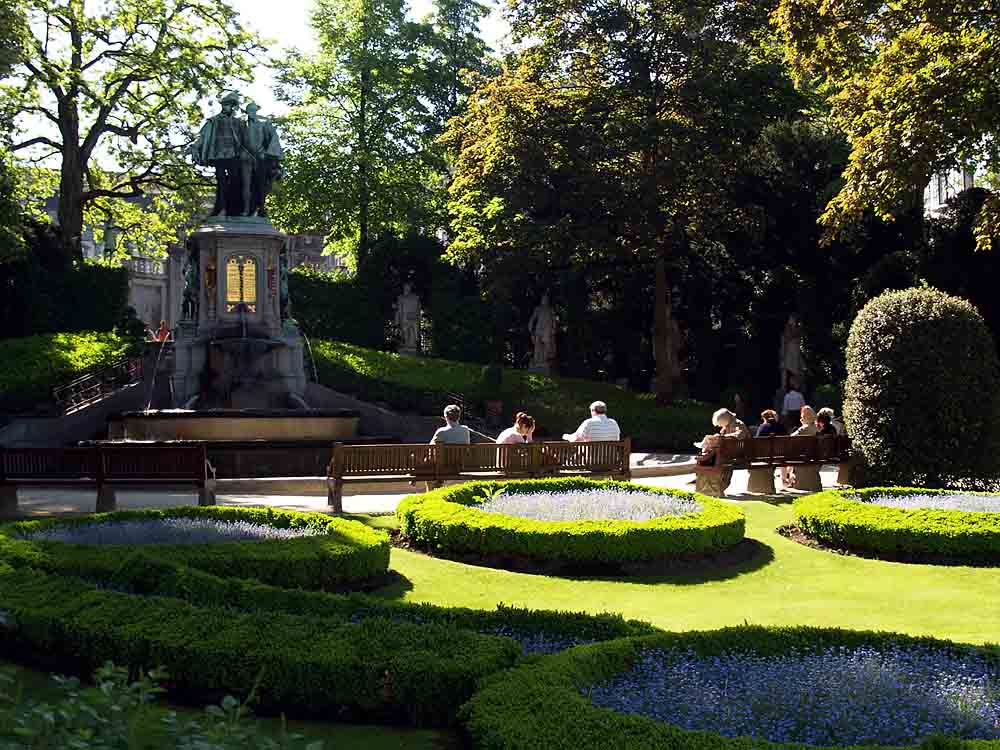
x=309, y=494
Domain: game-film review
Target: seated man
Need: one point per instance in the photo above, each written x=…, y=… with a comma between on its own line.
x=599, y=427
x=453, y=432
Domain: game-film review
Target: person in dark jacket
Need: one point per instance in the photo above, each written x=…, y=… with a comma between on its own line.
x=824, y=424
x=770, y=425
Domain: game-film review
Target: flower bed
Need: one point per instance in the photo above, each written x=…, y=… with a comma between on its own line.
x=299, y=550
x=452, y=520
x=742, y=688
x=606, y=504
x=865, y=520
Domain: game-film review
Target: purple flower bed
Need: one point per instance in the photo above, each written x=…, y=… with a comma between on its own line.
x=842, y=696
x=598, y=504
x=952, y=501
x=168, y=531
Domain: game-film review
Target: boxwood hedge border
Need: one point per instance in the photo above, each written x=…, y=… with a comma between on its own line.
x=544, y=703
x=846, y=519
x=447, y=520
x=373, y=669
x=347, y=552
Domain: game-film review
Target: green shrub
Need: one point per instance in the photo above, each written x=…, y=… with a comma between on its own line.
x=32, y=366
x=921, y=389
x=346, y=550
x=119, y=713
x=373, y=669
x=559, y=404
x=849, y=519
x=447, y=519
x=544, y=704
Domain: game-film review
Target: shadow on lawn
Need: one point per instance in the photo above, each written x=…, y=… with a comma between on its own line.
x=746, y=557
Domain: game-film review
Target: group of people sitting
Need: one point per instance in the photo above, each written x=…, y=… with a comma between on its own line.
x=598, y=427
x=812, y=422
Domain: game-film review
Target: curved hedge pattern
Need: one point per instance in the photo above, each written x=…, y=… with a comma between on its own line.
x=346, y=551
x=447, y=519
x=544, y=704
x=345, y=656
x=843, y=518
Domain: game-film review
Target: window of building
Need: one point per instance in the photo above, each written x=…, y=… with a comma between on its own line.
x=241, y=283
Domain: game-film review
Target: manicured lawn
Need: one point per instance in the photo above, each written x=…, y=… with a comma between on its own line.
x=799, y=586
x=559, y=404
x=39, y=687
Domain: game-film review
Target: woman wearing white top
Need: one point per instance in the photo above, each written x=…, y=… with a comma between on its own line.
x=520, y=432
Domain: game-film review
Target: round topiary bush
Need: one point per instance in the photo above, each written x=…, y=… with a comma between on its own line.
x=284, y=548
x=921, y=385
x=745, y=688
x=905, y=523
x=630, y=524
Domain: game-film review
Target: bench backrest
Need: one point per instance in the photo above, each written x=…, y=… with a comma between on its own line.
x=778, y=448
x=509, y=459
x=104, y=463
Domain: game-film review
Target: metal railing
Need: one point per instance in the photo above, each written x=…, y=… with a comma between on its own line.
x=98, y=384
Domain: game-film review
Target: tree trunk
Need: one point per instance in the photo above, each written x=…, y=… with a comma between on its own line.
x=665, y=347
x=70, y=213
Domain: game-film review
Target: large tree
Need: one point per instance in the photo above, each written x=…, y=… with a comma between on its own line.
x=109, y=90
x=355, y=166
x=915, y=85
x=366, y=108
x=613, y=136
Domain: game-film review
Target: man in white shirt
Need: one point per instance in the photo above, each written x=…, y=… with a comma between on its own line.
x=598, y=427
x=793, y=403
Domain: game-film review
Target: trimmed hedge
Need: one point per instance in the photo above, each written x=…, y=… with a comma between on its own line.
x=373, y=669
x=346, y=550
x=559, y=404
x=163, y=577
x=544, y=704
x=447, y=519
x=32, y=366
x=844, y=518
x=922, y=377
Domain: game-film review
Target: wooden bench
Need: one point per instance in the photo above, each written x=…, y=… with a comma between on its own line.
x=762, y=455
x=436, y=463
x=104, y=467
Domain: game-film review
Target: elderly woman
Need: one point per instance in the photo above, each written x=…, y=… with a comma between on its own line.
x=803, y=477
x=729, y=427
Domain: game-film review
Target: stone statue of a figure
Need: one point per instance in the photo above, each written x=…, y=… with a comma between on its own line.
x=790, y=359
x=542, y=327
x=260, y=162
x=283, y=300
x=192, y=285
x=246, y=156
x=408, y=318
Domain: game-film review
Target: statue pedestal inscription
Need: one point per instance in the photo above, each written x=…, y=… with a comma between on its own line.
x=233, y=347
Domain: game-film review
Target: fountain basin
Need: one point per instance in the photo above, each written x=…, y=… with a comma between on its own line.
x=236, y=424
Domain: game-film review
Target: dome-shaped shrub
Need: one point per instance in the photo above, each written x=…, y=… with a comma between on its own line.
x=921, y=387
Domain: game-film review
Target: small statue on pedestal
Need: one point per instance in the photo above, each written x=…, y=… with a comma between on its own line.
x=407, y=318
x=542, y=327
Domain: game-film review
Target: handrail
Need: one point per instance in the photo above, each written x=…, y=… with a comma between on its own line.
x=95, y=385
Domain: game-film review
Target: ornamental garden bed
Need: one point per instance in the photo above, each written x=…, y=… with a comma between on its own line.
x=903, y=523
x=305, y=653
x=742, y=688
x=572, y=522
x=285, y=548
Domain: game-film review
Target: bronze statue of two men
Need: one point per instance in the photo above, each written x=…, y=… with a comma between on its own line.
x=246, y=155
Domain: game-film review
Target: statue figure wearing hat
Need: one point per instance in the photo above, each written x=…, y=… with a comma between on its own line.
x=260, y=158
x=219, y=145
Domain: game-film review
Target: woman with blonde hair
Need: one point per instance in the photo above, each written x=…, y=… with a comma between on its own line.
x=803, y=477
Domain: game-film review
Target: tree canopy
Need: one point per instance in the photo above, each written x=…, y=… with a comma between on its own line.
x=111, y=92
x=915, y=85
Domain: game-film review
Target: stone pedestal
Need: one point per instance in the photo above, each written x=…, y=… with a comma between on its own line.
x=761, y=481
x=238, y=352
x=807, y=478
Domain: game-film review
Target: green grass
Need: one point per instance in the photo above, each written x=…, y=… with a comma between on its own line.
x=39, y=686
x=33, y=365
x=799, y=586
x=558, y=404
